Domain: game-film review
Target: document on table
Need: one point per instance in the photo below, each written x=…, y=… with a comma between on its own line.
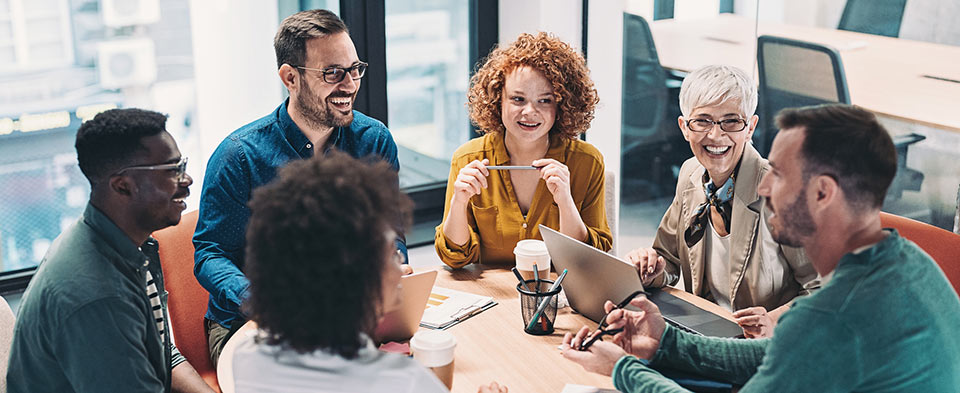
x=447, y=307
x=571, y=388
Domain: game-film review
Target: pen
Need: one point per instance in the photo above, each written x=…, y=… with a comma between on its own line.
x=519, y=277
x=473, y=311
x=536, y=276
x=543, y=303
x=508, y=167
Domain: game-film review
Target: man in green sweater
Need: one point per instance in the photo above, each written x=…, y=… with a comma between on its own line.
x=885, y=321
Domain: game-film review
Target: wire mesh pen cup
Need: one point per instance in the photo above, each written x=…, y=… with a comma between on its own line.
x=530, y=300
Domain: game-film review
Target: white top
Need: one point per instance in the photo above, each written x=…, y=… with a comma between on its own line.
x=717, y=267
x=258, y=367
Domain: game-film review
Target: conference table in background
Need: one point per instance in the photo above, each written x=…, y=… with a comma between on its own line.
x=912, y=81
x=491, y=346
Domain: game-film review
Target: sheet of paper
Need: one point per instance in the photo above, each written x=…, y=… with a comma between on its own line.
x=572, y=388
x=445, y=306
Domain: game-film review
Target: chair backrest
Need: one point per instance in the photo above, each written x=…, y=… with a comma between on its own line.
x=187, y=300
x=943, y=246
x=795, y=73
x=6, y=339
x=880, y=17
x=610, y=203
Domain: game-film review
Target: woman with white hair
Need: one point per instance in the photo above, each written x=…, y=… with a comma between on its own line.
x=715, y=230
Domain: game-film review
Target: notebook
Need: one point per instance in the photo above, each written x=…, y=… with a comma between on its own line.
x=447, y=307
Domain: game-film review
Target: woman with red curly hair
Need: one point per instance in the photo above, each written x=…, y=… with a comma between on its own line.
x=531, y=101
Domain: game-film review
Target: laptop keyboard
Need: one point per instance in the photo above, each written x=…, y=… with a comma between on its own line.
x=681, y=326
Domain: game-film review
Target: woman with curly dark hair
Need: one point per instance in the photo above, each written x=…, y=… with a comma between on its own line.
x=323, y=269
x=531, y=100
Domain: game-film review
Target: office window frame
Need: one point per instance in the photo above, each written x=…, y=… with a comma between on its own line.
x=366, y=19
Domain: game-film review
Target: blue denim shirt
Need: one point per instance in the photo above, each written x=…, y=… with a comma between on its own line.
x=245, y=160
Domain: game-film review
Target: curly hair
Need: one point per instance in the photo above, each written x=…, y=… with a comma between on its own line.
x=563, y=66
x=316, y=251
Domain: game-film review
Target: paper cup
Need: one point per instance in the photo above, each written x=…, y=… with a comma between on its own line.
x=528, y=252
x=434, y=350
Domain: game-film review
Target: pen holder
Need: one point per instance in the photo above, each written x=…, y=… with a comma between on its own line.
x=531, y=300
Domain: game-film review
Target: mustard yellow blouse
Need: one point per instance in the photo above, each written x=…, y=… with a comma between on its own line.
x=496, y=223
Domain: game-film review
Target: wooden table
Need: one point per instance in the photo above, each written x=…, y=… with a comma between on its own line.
x=492, y=346
x=888, y=76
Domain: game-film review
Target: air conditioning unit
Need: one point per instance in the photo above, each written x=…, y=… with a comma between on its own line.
x=120, y=13
x=126, y=63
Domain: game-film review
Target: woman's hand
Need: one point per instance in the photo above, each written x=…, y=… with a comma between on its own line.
x=557, y=177
x=649, y=264
x=470, y=181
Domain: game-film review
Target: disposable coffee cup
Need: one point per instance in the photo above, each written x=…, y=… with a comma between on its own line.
x=434, y=350
x=529, y=252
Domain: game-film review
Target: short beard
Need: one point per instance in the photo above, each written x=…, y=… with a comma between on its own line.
x=315, y=111
x=797, y=223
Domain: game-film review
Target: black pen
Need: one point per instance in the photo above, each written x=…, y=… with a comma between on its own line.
x=519, y=277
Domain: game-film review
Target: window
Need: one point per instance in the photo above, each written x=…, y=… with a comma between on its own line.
x=65, y=61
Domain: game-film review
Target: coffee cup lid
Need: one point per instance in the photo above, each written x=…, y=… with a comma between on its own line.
x=433, y=340
x=530, y=247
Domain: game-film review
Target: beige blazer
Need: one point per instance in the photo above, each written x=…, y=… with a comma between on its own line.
x=754, y=280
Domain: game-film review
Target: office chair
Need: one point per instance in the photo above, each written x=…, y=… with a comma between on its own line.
x=187, y=300
x=880, y=17
x=941, y=245
x=797, y=73
x=650, y=146
x=794, y=73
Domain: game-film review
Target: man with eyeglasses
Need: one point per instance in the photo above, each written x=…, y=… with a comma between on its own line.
x=714, y=231
x=318, y=64
x=886, y=320
x=94, y=317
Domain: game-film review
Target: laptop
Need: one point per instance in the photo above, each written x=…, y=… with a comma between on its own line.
x=401, y=323
x=594, y=277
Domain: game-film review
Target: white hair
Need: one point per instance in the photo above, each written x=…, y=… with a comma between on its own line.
x=715, y=84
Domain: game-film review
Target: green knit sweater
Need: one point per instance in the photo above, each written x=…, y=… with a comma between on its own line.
x=887, y=321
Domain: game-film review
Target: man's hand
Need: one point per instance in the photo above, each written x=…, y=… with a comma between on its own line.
x=599, y=358
x=756, y=322
x=641, y=329
x=493, y=387
x=649, y=264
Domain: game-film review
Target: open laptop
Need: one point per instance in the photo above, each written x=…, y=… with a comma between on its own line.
x=401, y=323
x=594, y=276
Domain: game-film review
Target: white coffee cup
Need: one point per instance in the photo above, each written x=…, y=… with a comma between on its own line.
x=529, y=252
x=434, y=350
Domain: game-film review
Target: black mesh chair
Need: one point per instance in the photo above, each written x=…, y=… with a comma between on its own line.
x=880, y=17
x=795, y=73
x=798, y=73
x=649, y=144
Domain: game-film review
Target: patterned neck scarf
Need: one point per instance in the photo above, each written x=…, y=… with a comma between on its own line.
x=717, y=197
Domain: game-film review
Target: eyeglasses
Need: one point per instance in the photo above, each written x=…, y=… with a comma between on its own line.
x=726, y=125
x=180, y=169
x=335, y=74
x=399, y=258
x=602, y=327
